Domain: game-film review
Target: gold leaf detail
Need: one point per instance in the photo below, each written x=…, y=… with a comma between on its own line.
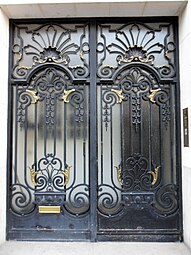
x=155, y=175
x=67, y=94
x=33, y=95
x=120, y=96
x=66, y=174
x=118, y=168
x=153, y=94
x=33, y=174
x=49, y=209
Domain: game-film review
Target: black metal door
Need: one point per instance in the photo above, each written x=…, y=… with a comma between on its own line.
x=94, y=131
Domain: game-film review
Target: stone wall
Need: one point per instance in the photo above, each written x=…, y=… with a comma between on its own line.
x=185, y=89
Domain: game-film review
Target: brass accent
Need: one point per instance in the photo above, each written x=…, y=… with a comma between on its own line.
x=33, y=95
x=66, y=95
x=108, y=66
x=118, y=168
x=120, y=97
x=134, y=58
x=49, y=209
x=77, y=66
x=155, y=175
x=66, y=174
x=33, y=174
x=47, y=59
x=153, y=94
x=26, y=67
x=82, y=55
x=58, y=61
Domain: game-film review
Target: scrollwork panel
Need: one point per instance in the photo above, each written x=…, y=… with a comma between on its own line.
x=51, y=134
x=149, y=43
x=144, y=110
x=35, y=45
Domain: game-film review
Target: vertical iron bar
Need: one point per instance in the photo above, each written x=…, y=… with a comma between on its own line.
x=101, y=131
x=65, y=119
x=75, y=149
x=131, y=124
x=111, y=142
x=93, y=133
x=172, y=156
x=35, y=138
x=150, y=135
x=160, y=141
x=25, y=145
x=85, y=121
x=161, y=145
x=10, y=152
x=121, y=137
x=16, y=135
x=45, y=126
x=141, y=125
x=55, y=122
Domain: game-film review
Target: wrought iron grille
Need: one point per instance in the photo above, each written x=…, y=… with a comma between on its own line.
x=137, y=154
x=95, y=145
x=50, y=166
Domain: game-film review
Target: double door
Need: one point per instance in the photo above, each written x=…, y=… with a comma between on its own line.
x=94, y=131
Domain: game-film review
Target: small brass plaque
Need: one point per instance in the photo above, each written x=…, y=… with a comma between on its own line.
x=49, y=209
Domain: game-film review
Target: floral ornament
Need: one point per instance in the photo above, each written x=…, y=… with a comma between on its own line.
x=50, y=44
x=131, y=45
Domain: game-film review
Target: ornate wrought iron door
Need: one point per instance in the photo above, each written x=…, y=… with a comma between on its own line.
x=75, y=176
x=50, y=164
x=138, y=186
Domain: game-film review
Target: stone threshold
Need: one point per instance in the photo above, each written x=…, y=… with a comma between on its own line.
x=100, y=248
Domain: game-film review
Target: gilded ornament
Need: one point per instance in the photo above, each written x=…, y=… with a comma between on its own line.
x=153, y=92
x=66, y=174
x=66, y=95
x=33, y=95
x=155, y=175
x=118, y=168
x=49, y=209
x=120, y=96
x=33, y=174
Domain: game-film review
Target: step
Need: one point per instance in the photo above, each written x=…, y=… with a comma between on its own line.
x=102, y=248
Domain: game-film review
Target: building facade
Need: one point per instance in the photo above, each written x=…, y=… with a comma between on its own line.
x=160, y=92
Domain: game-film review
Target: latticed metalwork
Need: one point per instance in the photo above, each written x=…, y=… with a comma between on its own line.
x=94, y=131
